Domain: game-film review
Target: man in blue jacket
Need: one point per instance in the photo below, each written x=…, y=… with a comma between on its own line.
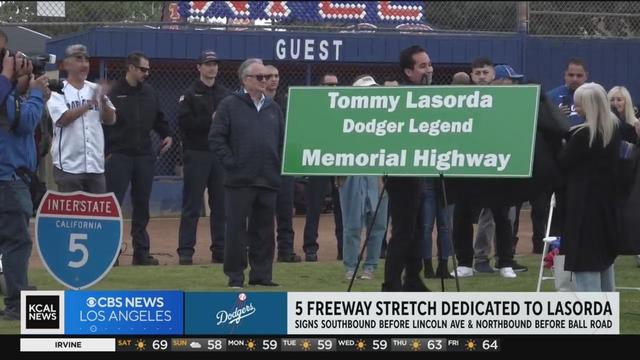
x=247, y=134
x=574, y=76
x=17, y=150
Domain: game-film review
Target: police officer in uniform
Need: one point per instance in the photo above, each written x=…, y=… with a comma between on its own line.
x=201, y=167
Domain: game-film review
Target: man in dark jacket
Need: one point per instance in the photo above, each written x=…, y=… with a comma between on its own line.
x=247, y=135
x=129, y=156
x=284, y=200
x=201, y=167
x=405, y=198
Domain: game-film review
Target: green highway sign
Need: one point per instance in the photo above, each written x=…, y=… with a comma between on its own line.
x=465, y=131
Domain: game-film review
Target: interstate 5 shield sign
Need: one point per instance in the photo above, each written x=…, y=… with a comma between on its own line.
x=78, y=236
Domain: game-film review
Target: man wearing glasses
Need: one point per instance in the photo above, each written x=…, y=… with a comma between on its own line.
x=78, y=114
x=247, y=135
x=130, y=157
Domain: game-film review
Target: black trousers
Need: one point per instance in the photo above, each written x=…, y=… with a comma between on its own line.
x=463, y=217
x=120, y=170
x=250, y=212
x=202, y=169
x=284, y=216
x=315, y=191
x=539, y=215
x=407, y=228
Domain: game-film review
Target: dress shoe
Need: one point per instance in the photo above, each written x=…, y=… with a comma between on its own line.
x=263, y=283
x=311, y=257
x=289, y=258
x=235, y=284
x=146, y=260
x=185, y=260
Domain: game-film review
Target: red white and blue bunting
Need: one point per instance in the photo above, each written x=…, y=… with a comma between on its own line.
x=351, y=12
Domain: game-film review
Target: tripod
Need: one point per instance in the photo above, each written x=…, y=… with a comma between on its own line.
x=370, y=226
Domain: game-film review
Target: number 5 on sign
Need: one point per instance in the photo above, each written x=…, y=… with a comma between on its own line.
x=78, y=236
x=74, y=246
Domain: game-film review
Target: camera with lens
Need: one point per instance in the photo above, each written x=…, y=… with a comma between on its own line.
x=56, y=85
x=39, y=61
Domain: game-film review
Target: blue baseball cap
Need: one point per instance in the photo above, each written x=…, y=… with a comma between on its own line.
x=506, y=72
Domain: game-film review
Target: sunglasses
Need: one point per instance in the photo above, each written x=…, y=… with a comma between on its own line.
x=143, y=69
x=263, y=77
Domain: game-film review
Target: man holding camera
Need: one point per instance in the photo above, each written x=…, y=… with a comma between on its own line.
x=19, y=116
x=77, y=115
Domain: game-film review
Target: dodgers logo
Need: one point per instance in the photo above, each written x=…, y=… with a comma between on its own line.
x=239, y=313
x=78, y=236
x=235, y=313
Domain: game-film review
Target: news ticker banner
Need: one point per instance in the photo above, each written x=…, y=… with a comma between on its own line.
x=462, y=131
x=262, y=344
x=321, y=313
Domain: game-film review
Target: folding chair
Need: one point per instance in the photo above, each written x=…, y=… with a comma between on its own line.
x=547, y=240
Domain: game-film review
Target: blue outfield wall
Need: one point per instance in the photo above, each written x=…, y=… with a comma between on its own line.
x=610, y=62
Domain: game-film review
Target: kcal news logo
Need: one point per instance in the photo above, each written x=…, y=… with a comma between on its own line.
x=42, y=312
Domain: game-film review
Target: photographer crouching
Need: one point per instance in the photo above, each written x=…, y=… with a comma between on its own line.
x=21, y=99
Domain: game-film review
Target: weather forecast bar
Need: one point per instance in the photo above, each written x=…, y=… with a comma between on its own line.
x=67, y=345
x=261, y=344
x=307, y=344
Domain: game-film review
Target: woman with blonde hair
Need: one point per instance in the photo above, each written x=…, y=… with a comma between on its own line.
x=622, y=107
x=589, y=165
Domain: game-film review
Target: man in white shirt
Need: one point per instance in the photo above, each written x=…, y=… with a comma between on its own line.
x=78, y=114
